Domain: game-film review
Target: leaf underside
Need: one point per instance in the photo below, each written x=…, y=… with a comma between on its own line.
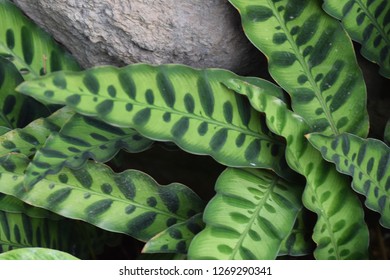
x=36, y=254
x=312, y=58
x=250, y=216
x=367, y=22
x=367, y=161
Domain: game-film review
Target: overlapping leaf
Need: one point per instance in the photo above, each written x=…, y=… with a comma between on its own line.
x=340, y=231
x=367, y=161
x=250, y=216
x=368, y=22
x=79, y=139
x=387, y=133
x=11, y=204
x=311, y=57
x=130, y=202
x=30, y=49
x=177, y=238
x=298, y=242
x=171, y=103
x=36, y=254
x=29, y=139
x=21, y=231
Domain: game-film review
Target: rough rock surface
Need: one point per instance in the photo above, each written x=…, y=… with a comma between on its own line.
x=201, y=33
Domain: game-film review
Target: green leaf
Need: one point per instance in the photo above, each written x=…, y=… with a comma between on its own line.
x=29, y=139
x=387, y=133
x=11, y=204
x=251, y=214
x=130, y=202
x=171, y=103
x=79, y=139
x=30, y=49
x=367, y=161
x=36, y=254
x=312, y=58
x=177, y=238
x=340, y=231
x=16, y=110
x=298, y=242
x=368, y=23
x=21, y=231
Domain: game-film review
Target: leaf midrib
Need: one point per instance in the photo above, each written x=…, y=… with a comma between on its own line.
x=305, y=67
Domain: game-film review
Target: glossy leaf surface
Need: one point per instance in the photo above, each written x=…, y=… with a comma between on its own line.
x=340, y=231
x=79, y=139
x=367, y=22
x=36, y=254
x=130, y=202
x=30, y=49
x=367, y=161
x=171, y=103
x=248, y=219
x=312, y=58
x=177, y=238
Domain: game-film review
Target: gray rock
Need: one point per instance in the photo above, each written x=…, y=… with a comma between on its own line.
x=200, y=33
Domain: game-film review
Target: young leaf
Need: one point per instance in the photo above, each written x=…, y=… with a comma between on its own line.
x=368, y=23
x=251, y=214
x=79, y=139
x=171, y=103
x=130, y=202
x=340, y=231
x=16, y=110
x=30, y=49
x=29, y=139
x=312, y=58
x=367, y=161
x=175, y=239
x=36, y=254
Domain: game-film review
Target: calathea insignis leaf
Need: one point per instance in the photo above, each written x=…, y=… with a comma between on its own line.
x=16, y=110
x=312, y=58
x=387, y=133
x=367, y=22
x=340, y=231
x=17, y=230
x=36, y=254
x=250, y=216
x=298, y=242
x=79, y=139
x=130, y=202
x=177, y=238
x=30, y=49
x=171, y=103
x=30, y=138
x=367, y=161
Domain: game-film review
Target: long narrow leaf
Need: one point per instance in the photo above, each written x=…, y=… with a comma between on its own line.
x=79, y=139
x=367, y=22
x=250, y=216
x=340, y=231
x=171, y=103
x=312, y=58
x=367, y=161
x=30, y=49
x=130, y=202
